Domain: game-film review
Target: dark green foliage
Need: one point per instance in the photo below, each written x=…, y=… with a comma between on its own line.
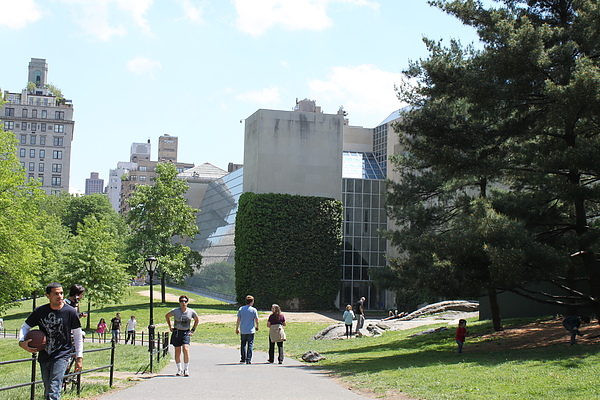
x=501, y=167
x=288, y=248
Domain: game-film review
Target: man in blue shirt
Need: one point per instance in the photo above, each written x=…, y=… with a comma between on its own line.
x=247, y=317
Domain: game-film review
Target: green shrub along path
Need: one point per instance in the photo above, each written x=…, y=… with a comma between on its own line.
x=531, y=359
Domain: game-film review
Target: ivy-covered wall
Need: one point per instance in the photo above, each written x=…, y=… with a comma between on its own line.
x=288, y=250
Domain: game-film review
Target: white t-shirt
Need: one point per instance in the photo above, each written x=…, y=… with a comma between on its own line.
x=131, y=324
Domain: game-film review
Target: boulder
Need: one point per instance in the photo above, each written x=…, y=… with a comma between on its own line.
x=312, y=356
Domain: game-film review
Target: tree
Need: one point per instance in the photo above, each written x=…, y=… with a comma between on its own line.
x=516, y=123
x=92, y=261
x=20, y=254
x=159, y=215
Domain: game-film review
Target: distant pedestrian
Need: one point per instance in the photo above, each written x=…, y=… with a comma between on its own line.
x=115, y=328
x=101, y=329
x=76, y=292
x=348, y=317
x=131, y=323
x=275, y=323
x=572, y=324
x=360, y=314
x=461, y=333
x=181, y=333
x=247, y=318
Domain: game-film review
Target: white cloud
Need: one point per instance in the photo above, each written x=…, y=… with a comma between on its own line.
x=143, y=66
x=266, y=97
x=366, y=92
x=103, y=19
x=17, y=14
x=255, y=17
x=192, y=12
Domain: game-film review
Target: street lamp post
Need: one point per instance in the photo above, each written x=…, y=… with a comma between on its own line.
x=150, y=262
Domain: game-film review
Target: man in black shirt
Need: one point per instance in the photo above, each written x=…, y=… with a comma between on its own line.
x=62, y=328
x=115, y=327
x=360, y=314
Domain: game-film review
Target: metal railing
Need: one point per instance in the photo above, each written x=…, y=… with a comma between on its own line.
x=33, y=360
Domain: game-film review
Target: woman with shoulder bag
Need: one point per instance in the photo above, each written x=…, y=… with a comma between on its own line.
x=275, y=324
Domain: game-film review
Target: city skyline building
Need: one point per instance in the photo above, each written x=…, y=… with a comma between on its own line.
x=94, y=184
x=42, y=121
x=140, y=170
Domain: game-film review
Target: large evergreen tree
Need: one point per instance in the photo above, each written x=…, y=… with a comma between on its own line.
x=511, y=125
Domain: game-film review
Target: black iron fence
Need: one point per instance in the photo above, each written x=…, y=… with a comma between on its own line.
x=32, y=382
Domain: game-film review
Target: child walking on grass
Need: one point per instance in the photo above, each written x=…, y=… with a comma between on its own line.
x=461, y=332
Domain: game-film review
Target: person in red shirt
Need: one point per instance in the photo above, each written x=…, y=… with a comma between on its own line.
x=461, y=332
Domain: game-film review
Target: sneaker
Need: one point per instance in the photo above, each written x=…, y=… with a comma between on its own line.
x=242, y=361
x=186, y=373
x=248, y=362
x=179, y=373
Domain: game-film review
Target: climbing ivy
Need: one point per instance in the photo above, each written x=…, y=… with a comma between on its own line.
x=288, y=250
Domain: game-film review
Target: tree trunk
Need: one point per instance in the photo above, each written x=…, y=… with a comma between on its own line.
x=495, y=309
x=163, y=289
x=89, y=308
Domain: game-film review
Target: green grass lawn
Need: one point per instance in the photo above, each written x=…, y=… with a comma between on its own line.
x=425, y=367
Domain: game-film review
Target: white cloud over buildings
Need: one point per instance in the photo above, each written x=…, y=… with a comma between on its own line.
x=143, y=66
x=16, y=14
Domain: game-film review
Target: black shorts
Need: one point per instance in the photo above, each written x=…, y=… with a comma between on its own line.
x=179, y=337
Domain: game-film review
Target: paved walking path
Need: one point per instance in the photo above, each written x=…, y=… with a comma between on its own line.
x=216, y=374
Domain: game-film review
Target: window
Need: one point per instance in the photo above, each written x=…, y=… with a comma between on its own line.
x=22, y=165
x=59, y=115
x=142, y=168
x=41, y=167
x=22, y=153
x=24, y=113
x=42, y=140
x=179, y=170
x=23, y=139
x=33, y=126
x=24, y=126
x=32, y=153
x=33, y=113
x=9, y=125
x=32, y=166
x=32, y=139
x=43, y=127
x=44, y=114
x=56, y=181
x=143, y=178
x=57, y=168
x=59, y=128
x=9, y=112
x=133, y=178
x=42, y=153
x=41, y=178
x=58, y=141
x=57, y=155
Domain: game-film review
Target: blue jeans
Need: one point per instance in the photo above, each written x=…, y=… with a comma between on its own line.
x=115, y=336
x=53, y=372
x=460, y=346
x=247, y=339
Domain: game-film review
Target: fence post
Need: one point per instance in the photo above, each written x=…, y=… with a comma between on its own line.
x=112, y=363
x=32, y=390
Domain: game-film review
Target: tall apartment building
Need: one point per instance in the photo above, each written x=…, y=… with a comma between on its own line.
x=43, y=123
x=94, y=184
x=140, y=170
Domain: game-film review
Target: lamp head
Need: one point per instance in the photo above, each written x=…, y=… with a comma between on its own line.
x=150, y=262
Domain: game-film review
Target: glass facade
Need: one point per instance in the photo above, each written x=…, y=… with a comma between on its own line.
x=363, y=196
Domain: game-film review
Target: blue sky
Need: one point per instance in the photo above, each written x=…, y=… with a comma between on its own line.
x=137, y=69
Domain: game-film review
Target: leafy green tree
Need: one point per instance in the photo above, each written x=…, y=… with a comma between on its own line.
x=158, y=217
x=91, y=259
x=518, y=115
x=20, y=254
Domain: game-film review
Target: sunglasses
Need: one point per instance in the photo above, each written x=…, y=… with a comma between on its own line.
x=183, y=301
